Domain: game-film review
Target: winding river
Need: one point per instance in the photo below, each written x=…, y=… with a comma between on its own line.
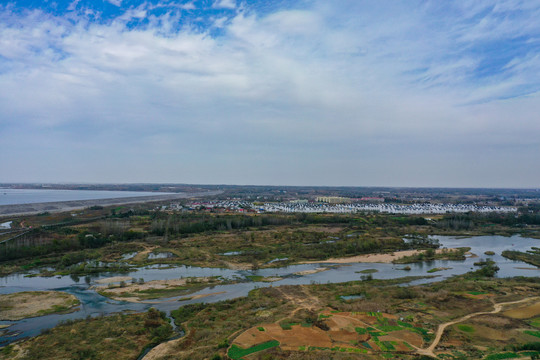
x=93, y=304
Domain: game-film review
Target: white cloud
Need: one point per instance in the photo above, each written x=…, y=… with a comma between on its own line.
x=311, y=85
x=224, y=4
x=188, y=6
x=73, y=5
x=220, y=22
x=115, y=2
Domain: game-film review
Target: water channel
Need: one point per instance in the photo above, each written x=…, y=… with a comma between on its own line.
x=93, y=304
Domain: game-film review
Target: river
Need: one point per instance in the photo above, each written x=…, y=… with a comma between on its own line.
x=31, y=196
x=93, y=304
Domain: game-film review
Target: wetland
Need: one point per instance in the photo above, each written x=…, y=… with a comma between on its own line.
x=123, y=265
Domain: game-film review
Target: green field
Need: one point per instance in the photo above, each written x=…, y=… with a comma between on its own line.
x=236, y=352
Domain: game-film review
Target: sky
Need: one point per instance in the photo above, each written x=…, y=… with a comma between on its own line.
x=298, y=92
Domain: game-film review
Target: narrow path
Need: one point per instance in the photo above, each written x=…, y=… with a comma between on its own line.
x=142, y=255
x=440, y=330
x=163, y=349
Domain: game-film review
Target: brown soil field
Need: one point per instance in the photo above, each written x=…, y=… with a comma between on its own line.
x=337, y=323
x=346, y=337
x=410, y=337
x=524, y=312
x=478, y=297
x=496, y=322
x=493, y=334
x=329, y=229
x=487, y=332
x=289, y=339
x=299, y=336
x=27, y=304
x=254, y=336
x=452, y=342
x=341, y=333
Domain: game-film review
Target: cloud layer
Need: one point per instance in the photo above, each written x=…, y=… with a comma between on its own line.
x=317, y=93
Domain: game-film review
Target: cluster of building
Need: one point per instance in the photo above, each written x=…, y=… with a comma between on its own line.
x=305, y=206
x=346, y=200
x=219, y=205
x=425, y=208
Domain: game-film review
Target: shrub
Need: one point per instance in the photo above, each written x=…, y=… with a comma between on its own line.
x=223, y=344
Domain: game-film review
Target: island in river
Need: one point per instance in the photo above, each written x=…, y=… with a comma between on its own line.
x=27, y=304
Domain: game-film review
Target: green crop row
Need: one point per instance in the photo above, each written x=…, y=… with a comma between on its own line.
x=236, y=352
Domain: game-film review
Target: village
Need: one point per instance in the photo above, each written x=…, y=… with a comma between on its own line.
x=335, y=205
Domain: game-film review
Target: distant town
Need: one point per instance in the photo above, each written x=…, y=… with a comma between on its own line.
x=334, y=205
x=299, y=199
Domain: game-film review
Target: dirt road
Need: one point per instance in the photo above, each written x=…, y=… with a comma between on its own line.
x=440, y=330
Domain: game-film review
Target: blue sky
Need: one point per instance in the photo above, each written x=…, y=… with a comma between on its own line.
x=381, y=93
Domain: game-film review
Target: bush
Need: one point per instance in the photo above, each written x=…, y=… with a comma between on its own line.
x=489, y=269
x=223, y=344
x=405, y=293
x=162, y=333
x=528, y=346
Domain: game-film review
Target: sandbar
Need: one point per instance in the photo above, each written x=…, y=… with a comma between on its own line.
x=28, y=304
x=372, y=258
x=313, y=271
x=114, y=279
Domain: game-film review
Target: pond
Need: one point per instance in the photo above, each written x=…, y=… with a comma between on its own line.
x=232, y=253
x=93, y=304
x=161, y=255
x=130, y=255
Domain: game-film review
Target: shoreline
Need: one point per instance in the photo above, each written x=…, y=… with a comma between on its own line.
x=61, y=206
